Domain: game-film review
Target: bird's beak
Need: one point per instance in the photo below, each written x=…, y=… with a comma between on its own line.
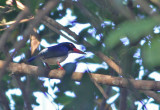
x=78, y=51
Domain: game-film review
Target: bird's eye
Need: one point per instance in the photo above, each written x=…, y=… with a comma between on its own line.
x=71, y=45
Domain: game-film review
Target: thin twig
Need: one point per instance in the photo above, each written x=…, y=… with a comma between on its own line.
x=108, y=60
x=41, y=13
x=21, y=21
x=7, y=33
x=47, y=23
x=97, y=85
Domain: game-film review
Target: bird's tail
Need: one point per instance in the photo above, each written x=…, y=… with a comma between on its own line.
x=32, y=58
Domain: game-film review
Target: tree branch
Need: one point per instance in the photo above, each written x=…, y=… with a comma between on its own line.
x=123, y=99
x=4, y=100
x=25, y=94
x=7, y=33
x=111, y=63
x=55, y=26
x=99, y=78
x=102, y=56
x=14, y=21
x=41, y=13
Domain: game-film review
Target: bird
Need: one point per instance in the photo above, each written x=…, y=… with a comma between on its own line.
x=56, y=54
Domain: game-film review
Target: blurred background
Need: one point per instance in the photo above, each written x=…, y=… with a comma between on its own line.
x=126, y=31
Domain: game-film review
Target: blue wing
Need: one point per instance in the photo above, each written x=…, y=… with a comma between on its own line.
x=54, y=51
x=51, y=52
x=32, y=58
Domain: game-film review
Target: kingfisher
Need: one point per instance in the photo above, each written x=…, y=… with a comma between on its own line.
x=56, y=54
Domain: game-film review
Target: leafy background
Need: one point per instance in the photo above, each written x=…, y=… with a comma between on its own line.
x=125, y=30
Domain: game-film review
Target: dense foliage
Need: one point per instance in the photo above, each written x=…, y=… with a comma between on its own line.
x=127, y=31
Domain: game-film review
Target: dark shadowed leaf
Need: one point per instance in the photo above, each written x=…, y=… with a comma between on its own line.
x=19, y=102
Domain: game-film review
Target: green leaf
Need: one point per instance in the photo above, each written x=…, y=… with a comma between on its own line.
x=80, y=17
x=3, y=2
x=151, y=53
x=92, y=40
x=134, y=30
x=64, y=100
x=19, y=102
x=33, y=5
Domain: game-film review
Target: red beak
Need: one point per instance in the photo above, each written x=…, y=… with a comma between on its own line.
x=78, y=51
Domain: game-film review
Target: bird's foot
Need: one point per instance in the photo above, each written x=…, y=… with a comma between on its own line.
x=47, y=66
x=61, y=68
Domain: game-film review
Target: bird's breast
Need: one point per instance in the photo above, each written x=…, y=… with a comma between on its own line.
x=54, y=60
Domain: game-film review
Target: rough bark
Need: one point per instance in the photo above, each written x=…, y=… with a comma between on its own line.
x=19, y=68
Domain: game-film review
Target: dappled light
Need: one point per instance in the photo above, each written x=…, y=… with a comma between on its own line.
x=79, y=54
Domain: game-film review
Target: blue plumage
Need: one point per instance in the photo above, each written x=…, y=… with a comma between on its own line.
x=54, y=51
x=56, y=54
x=32, y=58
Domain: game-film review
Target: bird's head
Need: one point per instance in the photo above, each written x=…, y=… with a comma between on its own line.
x=71, y=48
